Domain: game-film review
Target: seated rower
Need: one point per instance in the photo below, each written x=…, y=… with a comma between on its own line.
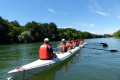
x=82, y=40
x=74, y=43
x=77, y=43
x=69, y=44
x=63, y=46
x=46, y=51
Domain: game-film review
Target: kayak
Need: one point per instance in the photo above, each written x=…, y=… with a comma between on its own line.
x=34, y=68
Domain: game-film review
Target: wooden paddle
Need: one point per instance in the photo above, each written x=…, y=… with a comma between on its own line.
x=103, y=49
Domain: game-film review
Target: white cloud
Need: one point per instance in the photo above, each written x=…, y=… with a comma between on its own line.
x=102, y=13
x=66, y=13
x=119, y=16
x=92, y=25
x=97, y=6
x=85, y=24
x=45, y=19
x=81, y=24
x=51, y=10
x=65, y=27
x=93, y=32
x=62, y=12
x=106, y=31
x=91, y=7
x=111, y=30
x=91, y=10
x=97, y=9
x=115, y=28
x=48, y=19
x=94, y=6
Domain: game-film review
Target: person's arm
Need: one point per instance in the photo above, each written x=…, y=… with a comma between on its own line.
x=50, y=49
x=51, y=52
x=59, y=46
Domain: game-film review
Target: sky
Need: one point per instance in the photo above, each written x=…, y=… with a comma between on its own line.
x=94, y=16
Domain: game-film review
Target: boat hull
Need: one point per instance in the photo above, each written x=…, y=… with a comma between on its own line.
x=41, y=65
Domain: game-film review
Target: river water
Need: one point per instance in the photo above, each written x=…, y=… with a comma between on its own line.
x=86, y=64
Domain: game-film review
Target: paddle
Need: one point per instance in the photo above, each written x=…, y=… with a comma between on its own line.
x=33, y=53
x=104, y=44
x=103, y=49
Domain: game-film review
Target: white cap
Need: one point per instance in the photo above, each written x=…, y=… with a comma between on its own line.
x=63, y=39
x=46, y=39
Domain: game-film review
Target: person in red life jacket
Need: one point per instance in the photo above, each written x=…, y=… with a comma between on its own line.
x=63, y=46
x=82, y=40
x=79, y=41
x=74, y=43
x=46, y=51
x=69, y=44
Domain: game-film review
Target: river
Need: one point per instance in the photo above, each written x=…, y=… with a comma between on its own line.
x=86, y=64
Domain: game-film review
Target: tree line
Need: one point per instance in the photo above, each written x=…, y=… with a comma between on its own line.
x=116, y=34
x=13, y=32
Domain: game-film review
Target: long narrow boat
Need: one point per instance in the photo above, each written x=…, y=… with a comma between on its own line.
x=38, y=66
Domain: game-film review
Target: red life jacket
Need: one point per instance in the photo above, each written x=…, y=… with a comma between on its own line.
x=79, y=41
x=43, y=52
x=63, y=44
x=69, y=43
x=76, y=43
x=73, y=42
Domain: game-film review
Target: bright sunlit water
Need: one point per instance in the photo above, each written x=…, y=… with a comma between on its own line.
x=86, y=64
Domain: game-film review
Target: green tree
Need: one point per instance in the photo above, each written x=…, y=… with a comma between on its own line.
x=116, y=34
x=26, y=37
x=4, y=30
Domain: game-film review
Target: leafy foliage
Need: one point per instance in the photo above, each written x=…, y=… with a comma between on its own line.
x=13, y=32
x=25, y=36
x=116, y=34
x=107, y=35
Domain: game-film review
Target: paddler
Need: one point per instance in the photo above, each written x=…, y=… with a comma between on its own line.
x=79, y=41
x=74, y=43
x=46, y=51
x=69, y=44
x=63, y=46
x=82, y=40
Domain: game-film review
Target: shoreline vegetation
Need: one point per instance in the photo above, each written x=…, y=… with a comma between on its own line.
x=12, y=32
